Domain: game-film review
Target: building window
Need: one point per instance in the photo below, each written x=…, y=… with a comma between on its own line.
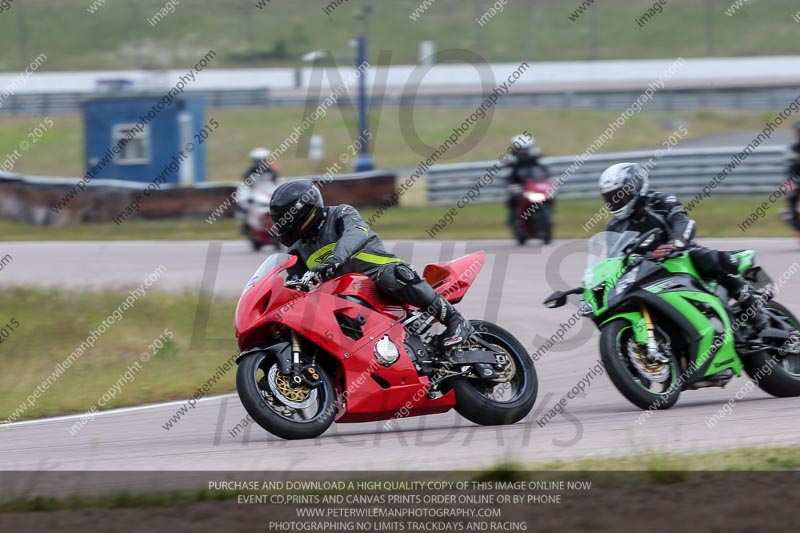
x=135, y=151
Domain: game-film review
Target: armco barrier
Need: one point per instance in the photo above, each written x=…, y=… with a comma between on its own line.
x=29, y=199
x=752, y=98
x=681, y=171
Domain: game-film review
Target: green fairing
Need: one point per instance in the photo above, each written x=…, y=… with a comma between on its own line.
x=610, y=270
x=746, y=259
x=637, y=321
x=681, y=265
x=726, y=356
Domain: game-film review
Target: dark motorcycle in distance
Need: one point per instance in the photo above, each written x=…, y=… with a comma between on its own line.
x=533, y=211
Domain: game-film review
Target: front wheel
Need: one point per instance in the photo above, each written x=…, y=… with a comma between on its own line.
x=646, y=385
x=519, y=231
x=506, y=400
x=777, y=371
x=547, y=224
x=255, y=244
x=285, y=411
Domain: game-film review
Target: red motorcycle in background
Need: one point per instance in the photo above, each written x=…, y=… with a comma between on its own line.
x=533, y=211
x=342, y=351
x=253, y=214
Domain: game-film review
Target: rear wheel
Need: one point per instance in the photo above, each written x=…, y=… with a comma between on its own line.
x=646, y=385
x=285, y=411
x=491, y=403
x=777, y=371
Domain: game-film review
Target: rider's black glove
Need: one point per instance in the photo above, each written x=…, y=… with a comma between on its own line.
x=663, y=251
x=325, y=271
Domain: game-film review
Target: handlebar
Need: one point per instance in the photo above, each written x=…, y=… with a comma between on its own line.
x=632, y=247
x=309, y=281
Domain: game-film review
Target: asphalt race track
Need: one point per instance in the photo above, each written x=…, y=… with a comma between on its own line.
x=508, y=291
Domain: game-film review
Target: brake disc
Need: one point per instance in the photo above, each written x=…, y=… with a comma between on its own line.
x=294, y=397
x=652, y=371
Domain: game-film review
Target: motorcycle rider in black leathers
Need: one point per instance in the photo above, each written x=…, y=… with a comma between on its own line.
x=331, y=241
x=793, y=172
x=525, y=165
x=625, y=190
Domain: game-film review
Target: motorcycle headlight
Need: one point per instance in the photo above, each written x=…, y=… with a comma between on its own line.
x=535, y=197
x=625, y=281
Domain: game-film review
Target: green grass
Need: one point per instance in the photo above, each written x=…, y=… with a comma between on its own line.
x=559, y=132
x=52, y=324
x=118, y=35
x=716, y=217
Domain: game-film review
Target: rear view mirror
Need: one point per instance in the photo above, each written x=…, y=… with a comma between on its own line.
x=557, y=299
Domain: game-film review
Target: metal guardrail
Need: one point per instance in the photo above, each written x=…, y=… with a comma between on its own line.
x=44, y=103
x=772, y=99
x=680, y=171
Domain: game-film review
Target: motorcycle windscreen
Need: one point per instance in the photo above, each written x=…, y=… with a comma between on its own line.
x=605, y=245
x=758, y=278
x=270, y=264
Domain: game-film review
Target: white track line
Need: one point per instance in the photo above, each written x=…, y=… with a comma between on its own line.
x=112, y=411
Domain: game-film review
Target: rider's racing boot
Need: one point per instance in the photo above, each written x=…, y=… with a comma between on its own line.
x=457, y=328
x=752, y=305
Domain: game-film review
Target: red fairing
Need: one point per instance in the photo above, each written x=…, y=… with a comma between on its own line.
x=370, y=391
x=452, y=279
x=542, y=186
x=263, y=234
x=361, y=286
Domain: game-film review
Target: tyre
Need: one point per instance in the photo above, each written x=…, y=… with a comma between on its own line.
x=286, y=412
x=777, y=372
x=645, y=385
x=255, y=244
x=520, y=233
x=547, y=225
x=490, y=403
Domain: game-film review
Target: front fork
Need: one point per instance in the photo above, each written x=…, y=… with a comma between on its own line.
x=654, y=355
x=302, y=375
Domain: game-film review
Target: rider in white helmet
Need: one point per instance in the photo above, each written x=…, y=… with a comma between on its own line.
x=626, y=192
x=525, y=165
x=260, y=166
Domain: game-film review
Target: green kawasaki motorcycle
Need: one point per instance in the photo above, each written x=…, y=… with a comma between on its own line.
x=665, y=330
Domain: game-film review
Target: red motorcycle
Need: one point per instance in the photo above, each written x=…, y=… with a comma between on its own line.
x=253, y=215
x=533, y=211
x=312, y=354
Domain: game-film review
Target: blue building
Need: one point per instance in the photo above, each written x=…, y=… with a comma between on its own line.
x=146, y=137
